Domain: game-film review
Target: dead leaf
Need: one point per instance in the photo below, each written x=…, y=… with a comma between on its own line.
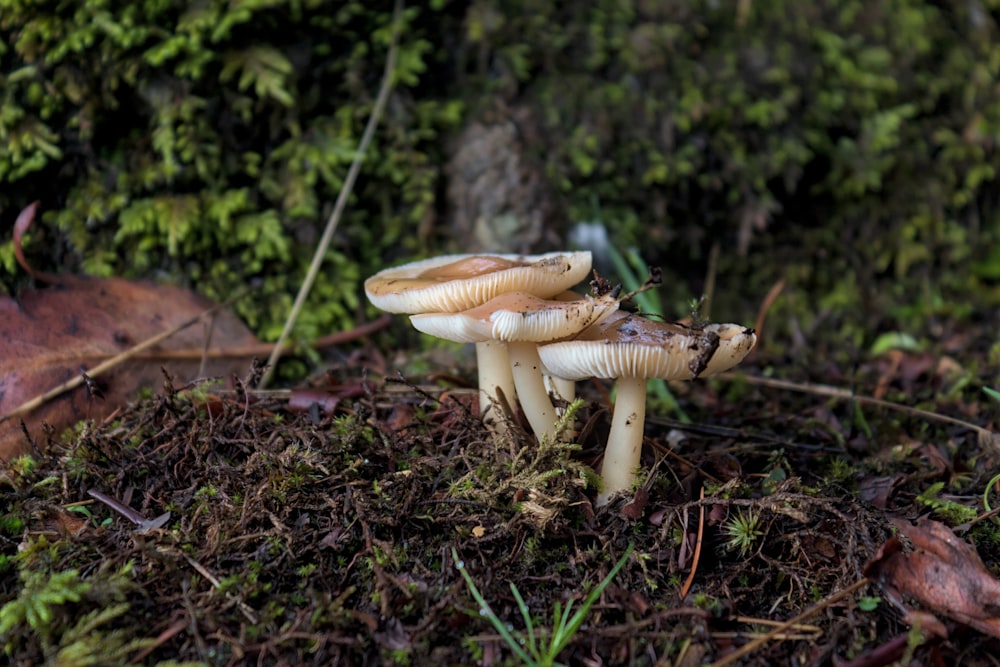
x=634, y=508
x=52, y=335
x=940, y=572
x=877, y=490
x=324, y=400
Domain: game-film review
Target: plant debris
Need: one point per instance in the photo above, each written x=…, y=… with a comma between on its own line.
x=54, y=335
x=930, y=565
x=234, y=527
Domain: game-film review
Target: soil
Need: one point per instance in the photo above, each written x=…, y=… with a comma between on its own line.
x=331, y=534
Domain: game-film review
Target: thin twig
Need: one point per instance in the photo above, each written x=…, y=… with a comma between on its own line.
x=243, y=351
x=107, y=365
x=705, y=312
x=345, y=191
x=765, y=307
x=248, y=613
x=847, y=395
x=697, y=549
x=795, y=620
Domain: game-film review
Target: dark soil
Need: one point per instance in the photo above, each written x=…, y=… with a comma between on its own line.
x=326, y=536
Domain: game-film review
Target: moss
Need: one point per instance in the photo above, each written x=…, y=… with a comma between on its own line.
x=864, y=130
x=206, y=142
x=68, y=618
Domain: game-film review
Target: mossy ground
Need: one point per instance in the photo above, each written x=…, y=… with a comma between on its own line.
x=327, y=538
x=845, y=149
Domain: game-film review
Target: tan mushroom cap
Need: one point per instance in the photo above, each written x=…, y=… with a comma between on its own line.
x=453, y=283
x=519, y=321
x=518, y=317
x=626, y=345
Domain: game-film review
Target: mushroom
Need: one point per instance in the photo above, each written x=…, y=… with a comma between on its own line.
x=633, y=349
x=453, y=283
x=522, y=321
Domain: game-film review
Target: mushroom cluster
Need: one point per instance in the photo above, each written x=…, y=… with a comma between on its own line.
x=526, y=324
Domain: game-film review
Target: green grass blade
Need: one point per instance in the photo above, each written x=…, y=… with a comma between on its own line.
x=577, y=620
x=528, y=625
x=484, y=607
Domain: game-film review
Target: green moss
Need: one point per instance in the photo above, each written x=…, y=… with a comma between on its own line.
x=864, y=129
x=66, y=617
x=206, y=143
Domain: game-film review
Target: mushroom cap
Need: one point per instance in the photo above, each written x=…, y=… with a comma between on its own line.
x=453, y=283
x=519, y=317
x=626, y=345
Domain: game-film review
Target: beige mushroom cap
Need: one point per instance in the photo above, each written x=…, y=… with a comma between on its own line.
x=519, y=321
x=627, y=345
x=453, y=283
x=518, y=317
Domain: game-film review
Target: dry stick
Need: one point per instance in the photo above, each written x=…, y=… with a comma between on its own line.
x=697, y=548
x=248, y=613
x=160, y=640
x=257, y=350
x=345, y=191
x=795, y=620
x=100, y=368
x=765, y=307
x=847, y=395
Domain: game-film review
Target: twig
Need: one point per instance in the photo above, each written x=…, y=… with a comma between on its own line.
x=217, y=585
x=765, y=307
x=345, y=191
x=795, y=620
x=107, y=365
x=697, y=549
x=847, y=395
x=246, y=351
x=160, y=640
x=144, y=525
x=705, y=312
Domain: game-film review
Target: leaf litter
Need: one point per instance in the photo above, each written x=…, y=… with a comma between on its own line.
x=323, y=535
x=70, y=351
x=53, y=335
x=315, y=527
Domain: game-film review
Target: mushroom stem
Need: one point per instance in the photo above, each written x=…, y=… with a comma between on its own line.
x=560, y=388
x=622, y=453
x=534, y=400
x=494, y=373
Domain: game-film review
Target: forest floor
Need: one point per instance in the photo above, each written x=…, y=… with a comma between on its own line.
x=812, y=520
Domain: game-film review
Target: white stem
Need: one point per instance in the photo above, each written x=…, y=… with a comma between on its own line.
x=494, y=373
x=535, y=403
x=561, y=387
x=622, y=453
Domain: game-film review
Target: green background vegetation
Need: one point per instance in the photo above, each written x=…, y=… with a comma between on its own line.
x=204, y=143
x=848, y=147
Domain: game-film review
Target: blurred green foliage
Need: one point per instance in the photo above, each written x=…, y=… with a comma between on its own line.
x=204, y=142
x=862, y=133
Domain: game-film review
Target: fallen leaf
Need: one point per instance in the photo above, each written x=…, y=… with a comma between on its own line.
x=877, y=490
x=940, y=572
x=634, y=508
x=324, y=400
x=52, y=335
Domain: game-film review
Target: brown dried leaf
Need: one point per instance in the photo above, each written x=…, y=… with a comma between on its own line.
x=52, y=335
x=940, y=572
x=877, y=490
x=324, y=399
